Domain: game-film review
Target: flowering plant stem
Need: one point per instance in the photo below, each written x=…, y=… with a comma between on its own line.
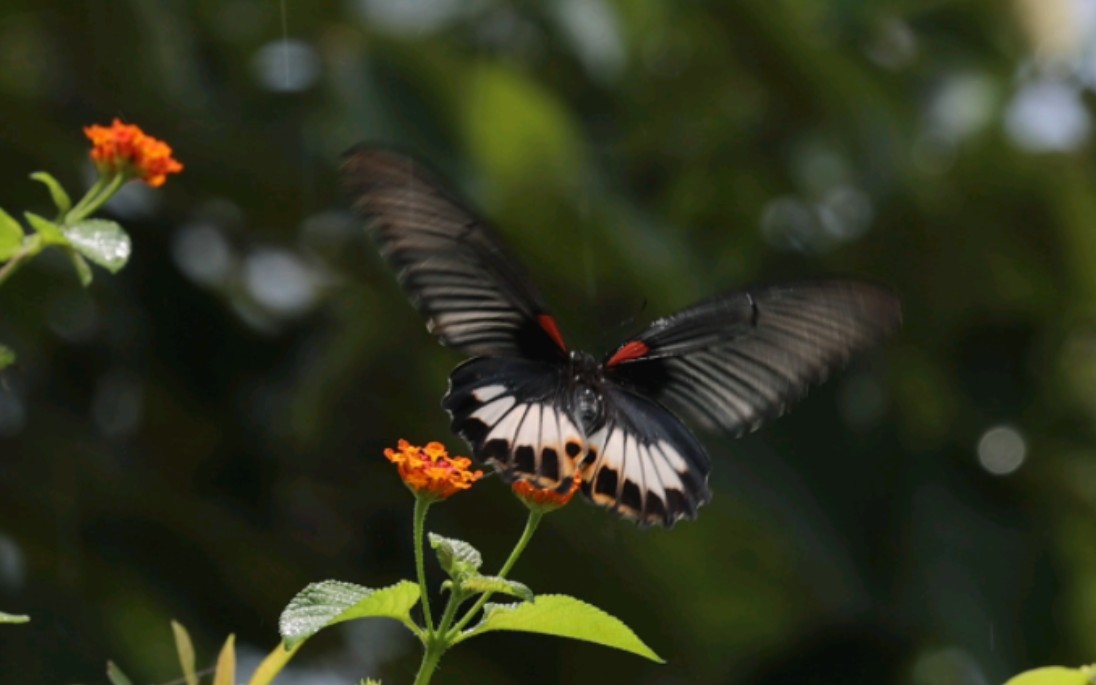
x=31, y=246
x=103, y=189
x=121, y=153
x=437, y=641
x=422, y=504
x=432, y=475
x=531, y=524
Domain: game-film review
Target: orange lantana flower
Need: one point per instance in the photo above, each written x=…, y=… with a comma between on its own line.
x=430, y=471
x=544, y=500
x=125, y=148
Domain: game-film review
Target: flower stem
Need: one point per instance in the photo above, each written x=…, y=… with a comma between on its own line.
x=531, y=524
x=421, y=505
x=78, y=208
x=435, y=647
x=31, y=247
x=95, y=198
x=455, y=600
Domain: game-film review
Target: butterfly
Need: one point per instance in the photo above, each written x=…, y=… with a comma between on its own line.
x=540, y=411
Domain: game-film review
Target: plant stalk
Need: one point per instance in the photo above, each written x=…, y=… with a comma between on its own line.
x=31, y=246
x=531, y=524
x=95, y=198
x=421, y=505
x=435, y=647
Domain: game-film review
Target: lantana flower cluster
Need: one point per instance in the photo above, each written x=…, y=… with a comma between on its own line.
x=125, y=148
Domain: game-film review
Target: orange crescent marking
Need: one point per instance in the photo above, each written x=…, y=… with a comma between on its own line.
x=628, y=351
x=549, y=325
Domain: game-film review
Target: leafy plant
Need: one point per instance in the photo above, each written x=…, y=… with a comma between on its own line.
x=121, y=152
x=432, y=476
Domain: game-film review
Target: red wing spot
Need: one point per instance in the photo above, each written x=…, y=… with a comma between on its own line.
x=549, y=325
x=628, y=351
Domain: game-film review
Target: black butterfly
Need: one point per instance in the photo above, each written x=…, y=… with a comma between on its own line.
x=540, y=411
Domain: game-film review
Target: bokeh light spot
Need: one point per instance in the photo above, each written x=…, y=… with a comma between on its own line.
x=279, y=281
x=287, y=66
x=12, y=564
x=1001, y=450
x=201, y=252
x=13, y=415
x=1047, y=116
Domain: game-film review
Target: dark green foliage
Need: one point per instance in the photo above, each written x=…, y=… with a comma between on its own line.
x=200, y=435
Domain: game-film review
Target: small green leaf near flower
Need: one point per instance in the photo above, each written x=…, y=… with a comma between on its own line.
x=564, y=616
x=479, y=583
x=11, y=236
x=458, y=558
x=323, y=604
x=50, y=232
x=10, y=618
x=103, y=242
x=83, y=271
x=60, y=197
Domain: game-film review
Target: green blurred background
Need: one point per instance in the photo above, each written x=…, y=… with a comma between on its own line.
x=200, y=436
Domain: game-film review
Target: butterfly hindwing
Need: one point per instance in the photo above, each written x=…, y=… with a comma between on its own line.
x=513, y=414
x=645, y=464
x=736, y=361
x=640, y=461
x=474, y=295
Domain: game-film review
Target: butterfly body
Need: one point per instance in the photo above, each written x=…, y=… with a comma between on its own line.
x=540, y=411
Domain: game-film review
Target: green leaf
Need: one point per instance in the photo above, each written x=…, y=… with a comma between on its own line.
x=495, y=584
x=103, y=242
x=457, y=557
x=83, y=271
x=7, y=358
x=50, y=232
x=60, y=197
x=1056, y=675
x=272, y=665
x=11, y=236
x=10, y=618
x=323, y=604
x=115, y=675
x=185, y=648
x=564, y=616
x=225, y=674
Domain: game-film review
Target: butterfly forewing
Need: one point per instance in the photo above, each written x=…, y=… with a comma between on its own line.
x=735, y=361
x=474, y=295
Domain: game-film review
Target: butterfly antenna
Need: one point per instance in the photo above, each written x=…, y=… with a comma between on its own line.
x=626, y=325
